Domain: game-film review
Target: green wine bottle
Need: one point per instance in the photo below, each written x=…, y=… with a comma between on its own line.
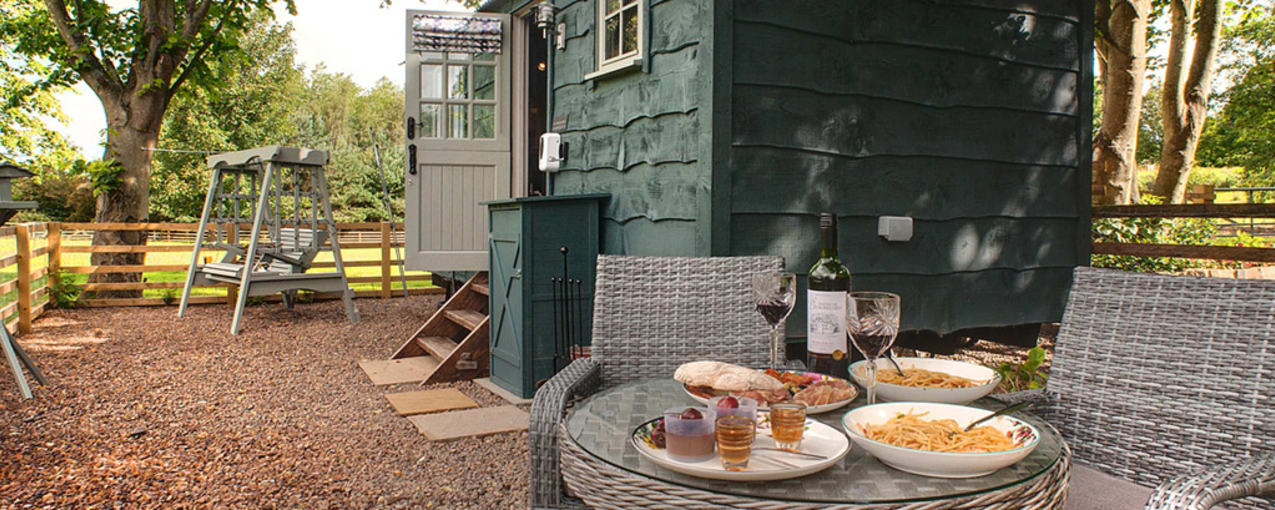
x=829, y=281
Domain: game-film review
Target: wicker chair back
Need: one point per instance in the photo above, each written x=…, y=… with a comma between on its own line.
x=1155, y=376
x=651, y=314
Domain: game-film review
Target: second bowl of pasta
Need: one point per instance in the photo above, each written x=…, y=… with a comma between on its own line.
x=929, y=380
x=928, y=439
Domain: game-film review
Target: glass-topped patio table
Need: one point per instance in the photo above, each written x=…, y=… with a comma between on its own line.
x=601, y=467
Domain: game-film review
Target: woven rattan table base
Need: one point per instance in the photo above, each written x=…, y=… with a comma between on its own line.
x=602, y=485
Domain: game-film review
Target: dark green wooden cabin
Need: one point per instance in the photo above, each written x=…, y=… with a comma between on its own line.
x=725, y=127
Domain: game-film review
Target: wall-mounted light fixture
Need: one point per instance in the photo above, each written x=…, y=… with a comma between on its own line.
x=544, y=17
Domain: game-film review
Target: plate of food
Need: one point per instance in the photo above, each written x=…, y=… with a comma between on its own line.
x=822, y=447
x=929, y=380
x=703, y=380
x=926, y=438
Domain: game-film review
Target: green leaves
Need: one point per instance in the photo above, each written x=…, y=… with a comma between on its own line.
x=1024, y=376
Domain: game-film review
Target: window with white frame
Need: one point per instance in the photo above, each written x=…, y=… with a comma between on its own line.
x=619, y=35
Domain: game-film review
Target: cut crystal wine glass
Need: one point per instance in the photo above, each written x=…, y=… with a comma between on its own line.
x=775, y=294
x=872, y=322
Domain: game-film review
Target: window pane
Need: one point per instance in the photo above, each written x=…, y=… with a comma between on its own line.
x=431, y=81
x=484, y=121
x=457, y=56
x=457, y=121
x=484, y=82
x=431, y=55
x=630, y=31
x=612, y=6
x=485, y=57
x=431, y=120
x=457, y=82
x=612, y=38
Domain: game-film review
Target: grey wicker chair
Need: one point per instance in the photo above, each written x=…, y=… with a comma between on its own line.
x=1165, y=382
x=650, y=314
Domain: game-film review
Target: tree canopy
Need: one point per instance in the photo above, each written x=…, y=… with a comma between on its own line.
x=264, y=97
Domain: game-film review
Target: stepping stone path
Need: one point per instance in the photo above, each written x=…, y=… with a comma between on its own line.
x=429, y=401
x=471, y=422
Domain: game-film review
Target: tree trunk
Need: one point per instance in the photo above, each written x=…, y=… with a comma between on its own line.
x=1184, y=105
x=1124, y=50
x=134, y=130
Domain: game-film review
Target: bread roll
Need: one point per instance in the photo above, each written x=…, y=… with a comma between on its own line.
x=725, y=377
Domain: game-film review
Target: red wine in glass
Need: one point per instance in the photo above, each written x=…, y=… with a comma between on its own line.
x=774, y=311
x=872, y=345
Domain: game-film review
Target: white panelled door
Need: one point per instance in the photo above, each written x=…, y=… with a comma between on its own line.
x=458, y=143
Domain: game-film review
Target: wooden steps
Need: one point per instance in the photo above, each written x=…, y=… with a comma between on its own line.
x=465, y=318
x=455, y=338
x=437, y=346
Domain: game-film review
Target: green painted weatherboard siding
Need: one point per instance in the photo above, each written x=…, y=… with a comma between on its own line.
x=640, y=134
x=971, y=117
x=750, y=117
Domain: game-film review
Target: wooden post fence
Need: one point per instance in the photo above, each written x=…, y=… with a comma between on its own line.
x=1236, y=253
x=23, y=236
x=371, y=246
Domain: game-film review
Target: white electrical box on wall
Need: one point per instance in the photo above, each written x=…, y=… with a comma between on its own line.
x=895, y=228
x=553, y=152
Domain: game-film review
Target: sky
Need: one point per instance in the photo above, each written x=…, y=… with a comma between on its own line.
x=355, y=37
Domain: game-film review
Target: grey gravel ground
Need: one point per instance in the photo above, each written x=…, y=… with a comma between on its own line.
x=147, y=410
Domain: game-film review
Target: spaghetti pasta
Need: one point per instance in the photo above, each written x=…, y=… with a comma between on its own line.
x=910, y=431
x=920, y=377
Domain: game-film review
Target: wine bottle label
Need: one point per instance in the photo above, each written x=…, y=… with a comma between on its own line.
x=825, y=321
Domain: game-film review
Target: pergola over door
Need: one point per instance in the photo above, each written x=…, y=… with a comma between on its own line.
x=457, y=105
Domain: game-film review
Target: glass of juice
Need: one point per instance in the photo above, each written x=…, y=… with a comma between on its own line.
x=735, y=441
x=787, y=423
x=688, y=433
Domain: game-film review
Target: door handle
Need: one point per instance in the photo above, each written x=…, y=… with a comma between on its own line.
x=411, y=159
x=411, y=128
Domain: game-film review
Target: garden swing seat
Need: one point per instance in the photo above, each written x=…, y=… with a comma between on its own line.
x=268, y=181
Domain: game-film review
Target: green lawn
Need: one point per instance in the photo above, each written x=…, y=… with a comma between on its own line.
x=8, y=247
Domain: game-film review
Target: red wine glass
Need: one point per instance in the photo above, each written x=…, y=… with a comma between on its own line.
x=775, y=295
x=872, y=322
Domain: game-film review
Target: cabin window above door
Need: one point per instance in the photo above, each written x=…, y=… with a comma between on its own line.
x=620, y=26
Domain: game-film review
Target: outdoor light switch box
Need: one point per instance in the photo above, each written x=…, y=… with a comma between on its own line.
x=895, y=228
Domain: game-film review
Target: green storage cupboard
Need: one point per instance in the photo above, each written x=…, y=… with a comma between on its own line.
x=525, y=254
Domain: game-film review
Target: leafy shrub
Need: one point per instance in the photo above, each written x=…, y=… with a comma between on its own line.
x=1189, y=231
x=63, y=293
x=1023, y=376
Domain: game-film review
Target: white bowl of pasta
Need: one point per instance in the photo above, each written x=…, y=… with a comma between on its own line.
x=929, y=380
x=917, y=437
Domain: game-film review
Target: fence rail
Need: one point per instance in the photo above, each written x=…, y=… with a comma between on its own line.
x=1225, y=211
x=27, y=293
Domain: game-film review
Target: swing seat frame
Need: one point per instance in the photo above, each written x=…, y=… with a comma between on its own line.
x=281, y=265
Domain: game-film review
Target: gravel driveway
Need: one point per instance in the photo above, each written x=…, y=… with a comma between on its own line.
x=147, y=410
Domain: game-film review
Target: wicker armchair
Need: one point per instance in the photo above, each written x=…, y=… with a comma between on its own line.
x=650, y=314
x=1165, y=381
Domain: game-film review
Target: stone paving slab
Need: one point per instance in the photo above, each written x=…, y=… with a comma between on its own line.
x=384, y=372
x=429, y=401
x=509, y=396
x=470, y=422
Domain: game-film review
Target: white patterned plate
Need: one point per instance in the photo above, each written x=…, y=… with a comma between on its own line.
x=818, y=438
